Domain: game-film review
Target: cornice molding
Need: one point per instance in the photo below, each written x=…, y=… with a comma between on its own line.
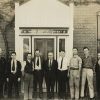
x=80, y=2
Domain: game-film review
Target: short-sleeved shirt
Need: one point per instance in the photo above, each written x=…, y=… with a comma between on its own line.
x=88, y=62
x=75, y=62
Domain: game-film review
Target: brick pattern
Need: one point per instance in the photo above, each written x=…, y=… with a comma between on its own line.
x=2, y=44
x=85, y=27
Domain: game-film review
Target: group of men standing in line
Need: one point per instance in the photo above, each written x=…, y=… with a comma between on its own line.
x=52, y=70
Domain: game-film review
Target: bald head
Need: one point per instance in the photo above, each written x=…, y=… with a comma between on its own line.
x=50, y=55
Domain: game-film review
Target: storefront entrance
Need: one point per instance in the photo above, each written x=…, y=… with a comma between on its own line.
x=45, y=45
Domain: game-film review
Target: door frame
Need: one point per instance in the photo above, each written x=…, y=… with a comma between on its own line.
x=61, y=37
x=46, y=37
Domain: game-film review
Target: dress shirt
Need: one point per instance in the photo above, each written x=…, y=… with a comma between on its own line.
x=15, y=62
x=64, y=64
x=99, y=62
x=37, y=67
x=50, y=62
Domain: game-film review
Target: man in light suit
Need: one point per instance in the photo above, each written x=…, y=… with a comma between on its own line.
x=13, y=75
x=75, y=69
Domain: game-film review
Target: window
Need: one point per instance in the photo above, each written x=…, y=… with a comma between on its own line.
x=25, y=48
x=61, y=44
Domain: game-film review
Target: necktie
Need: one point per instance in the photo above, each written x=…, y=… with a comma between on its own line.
x=61, y=63
x=13, y=66
x=49, y=64
x=37, y=62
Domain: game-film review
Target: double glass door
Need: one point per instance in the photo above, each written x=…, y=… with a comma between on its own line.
x=45, y=45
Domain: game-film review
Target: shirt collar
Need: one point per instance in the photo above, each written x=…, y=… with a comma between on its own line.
x=14, y=60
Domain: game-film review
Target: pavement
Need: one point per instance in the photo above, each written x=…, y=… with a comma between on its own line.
x=45, y=97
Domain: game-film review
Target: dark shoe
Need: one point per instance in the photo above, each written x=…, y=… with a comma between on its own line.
x=60, y=95
x=82, y=98
x=52, y=95
x=9, y=96
x=40, y=95
x=34, y=94
x=17, y=96
x=48, y=95
x=92, y=98
x=1, y=97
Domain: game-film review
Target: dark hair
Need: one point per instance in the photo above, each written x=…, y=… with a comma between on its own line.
x=29, y=53
x=75, y=48
x=13, y=52
x=50, y=52
x=85, y=48
x=37, y=50
x=62, y=51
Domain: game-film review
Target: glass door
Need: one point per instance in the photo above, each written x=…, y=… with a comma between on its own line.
x=45, y=45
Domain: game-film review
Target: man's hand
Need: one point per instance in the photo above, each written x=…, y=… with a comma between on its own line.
x=7, y=79
x=68, y=73
x=18, y=79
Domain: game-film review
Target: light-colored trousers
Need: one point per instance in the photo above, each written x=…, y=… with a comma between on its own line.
x=74, y=83
x=87, y=74
x=28, y=86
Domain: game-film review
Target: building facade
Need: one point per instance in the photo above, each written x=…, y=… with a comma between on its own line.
x=45, y=25
x=86, y=23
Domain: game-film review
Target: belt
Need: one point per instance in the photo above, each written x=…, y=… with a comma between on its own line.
x=37, y=70
x=74, y=68
x=62, y=70
x=88, y=67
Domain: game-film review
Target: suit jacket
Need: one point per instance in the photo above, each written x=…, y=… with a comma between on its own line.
x=97, y=70
x=18, y=69
x=28, y=67
x=42, y=62
x=2, y=67
x=52, y=69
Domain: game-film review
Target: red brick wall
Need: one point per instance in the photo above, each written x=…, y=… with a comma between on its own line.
x=85, y=27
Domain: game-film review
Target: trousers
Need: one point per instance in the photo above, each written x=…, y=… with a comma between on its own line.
x=87, y=74
x=74, y=83
x=28, y=86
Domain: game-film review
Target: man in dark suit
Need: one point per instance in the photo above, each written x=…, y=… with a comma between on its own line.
x=50, y=68
x=28, y=78
x=97, y=70
x=2, y=73
x=38, y=73
x=13, y=74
